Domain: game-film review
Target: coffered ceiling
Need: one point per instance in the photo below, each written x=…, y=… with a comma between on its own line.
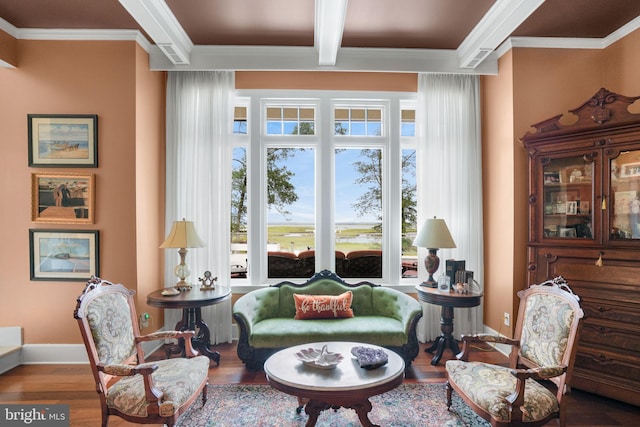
x=464, y=36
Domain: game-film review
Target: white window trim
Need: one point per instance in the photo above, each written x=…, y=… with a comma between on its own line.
x=391, y=143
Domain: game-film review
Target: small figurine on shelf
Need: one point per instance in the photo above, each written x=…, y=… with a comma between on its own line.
x=207, y=281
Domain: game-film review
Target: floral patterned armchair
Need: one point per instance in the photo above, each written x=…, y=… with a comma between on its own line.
x=148, y=393
x=542, y=353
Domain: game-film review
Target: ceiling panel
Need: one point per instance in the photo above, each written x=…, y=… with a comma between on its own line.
x=71, y=14
x=426, y=24
x=578, y=18
x=246, y=22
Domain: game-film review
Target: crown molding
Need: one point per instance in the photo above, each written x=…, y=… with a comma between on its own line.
x=84, y=35
x=8, y=28
x=622, y=32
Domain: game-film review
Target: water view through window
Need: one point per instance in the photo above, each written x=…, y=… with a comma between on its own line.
x=292, y=201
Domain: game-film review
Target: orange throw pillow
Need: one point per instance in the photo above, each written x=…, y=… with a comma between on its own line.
x=323, y=306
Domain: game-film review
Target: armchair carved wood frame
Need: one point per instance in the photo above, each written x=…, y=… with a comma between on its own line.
x=540, y=362
x=142, y=392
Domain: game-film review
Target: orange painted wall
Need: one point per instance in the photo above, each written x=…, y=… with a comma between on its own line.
x=150, y=184
x=313, y=80
x=56, y=77
x=622, y=61
x=498, y=165
x=8, y=49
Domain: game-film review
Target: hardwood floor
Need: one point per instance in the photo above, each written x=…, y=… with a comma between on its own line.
x=73, y=385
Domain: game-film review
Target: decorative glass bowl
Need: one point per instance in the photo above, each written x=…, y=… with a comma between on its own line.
x=370, y=358
x=319, y=358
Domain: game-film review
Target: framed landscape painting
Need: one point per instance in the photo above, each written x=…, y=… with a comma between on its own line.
x=63, y=255
x=63, y=198
x=63, y=140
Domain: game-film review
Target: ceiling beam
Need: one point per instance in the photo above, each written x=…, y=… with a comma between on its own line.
x=329, y=26
x=162, y=26
x=301, y=58
x=493, y=29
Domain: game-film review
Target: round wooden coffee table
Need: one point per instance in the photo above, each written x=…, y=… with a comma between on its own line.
x=348, y=385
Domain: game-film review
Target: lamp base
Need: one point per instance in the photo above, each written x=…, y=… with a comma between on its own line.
x=429, y=283
x=431, y=263
x=182, y=286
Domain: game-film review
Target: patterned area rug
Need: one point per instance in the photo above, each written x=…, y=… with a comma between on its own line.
x=409, y=405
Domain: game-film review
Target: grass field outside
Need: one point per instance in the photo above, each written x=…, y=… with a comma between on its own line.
x=299, y=237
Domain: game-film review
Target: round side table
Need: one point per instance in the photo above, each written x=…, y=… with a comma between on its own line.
x=448, y=301
x=191, y=303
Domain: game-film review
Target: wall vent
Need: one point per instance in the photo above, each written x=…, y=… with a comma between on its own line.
x=477, y=59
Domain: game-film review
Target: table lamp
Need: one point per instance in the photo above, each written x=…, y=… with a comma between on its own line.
x=182, y=235
x=433, y=235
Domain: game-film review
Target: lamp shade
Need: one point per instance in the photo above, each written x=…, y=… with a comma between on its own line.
x=182, y=235
x=434, y=234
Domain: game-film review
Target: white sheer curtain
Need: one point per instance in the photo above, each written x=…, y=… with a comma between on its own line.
x=449, y=169
x=198, y=187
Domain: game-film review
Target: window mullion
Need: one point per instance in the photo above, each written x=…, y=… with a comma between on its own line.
x=256, y=206
x=392, y=200
x=325, y=185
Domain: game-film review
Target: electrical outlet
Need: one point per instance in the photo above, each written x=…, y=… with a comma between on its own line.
x=144, y=320
x=507, y=319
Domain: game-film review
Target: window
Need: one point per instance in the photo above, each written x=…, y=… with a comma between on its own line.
x=358, y=121
x=358, y=212
x=240, y=120
x=318, y=181
x=290, y=120
x=291, y=212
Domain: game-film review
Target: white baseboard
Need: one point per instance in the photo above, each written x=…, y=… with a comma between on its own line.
x=502, y=348
x=40, y=354
x=9, y=358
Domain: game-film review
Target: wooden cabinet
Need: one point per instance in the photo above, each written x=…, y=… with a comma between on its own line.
x=584, y=224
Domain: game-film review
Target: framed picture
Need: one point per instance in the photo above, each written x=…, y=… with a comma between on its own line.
x=64, y=198
x=567, y=232
x=584, y=207
x=629, y=170
x=552, y=177
x=63, y=140
x=63, y=255
x=572, y=208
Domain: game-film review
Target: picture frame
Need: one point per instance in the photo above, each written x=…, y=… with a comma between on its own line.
x=552, y=178
x=567, y=232
x=64, y=255
x=584, y=207
x=63, y=140
x=63, y=198
x=629, y=170
x=572, y=208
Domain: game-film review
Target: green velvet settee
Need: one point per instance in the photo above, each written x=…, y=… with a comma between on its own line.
x=381, y=316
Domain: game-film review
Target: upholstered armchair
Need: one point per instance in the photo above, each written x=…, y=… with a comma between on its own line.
x=530, y=390
x=142, y=392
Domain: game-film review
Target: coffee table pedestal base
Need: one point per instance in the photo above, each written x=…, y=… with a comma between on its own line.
x=313, y=408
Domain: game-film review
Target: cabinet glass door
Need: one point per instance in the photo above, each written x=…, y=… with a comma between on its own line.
x=568, y=198
x=624, y=195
